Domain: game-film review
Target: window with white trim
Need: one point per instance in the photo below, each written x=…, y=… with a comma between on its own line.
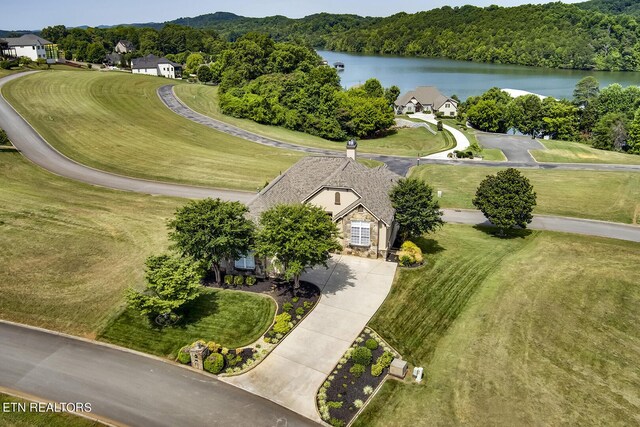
x=247, y=262
x=360, y=233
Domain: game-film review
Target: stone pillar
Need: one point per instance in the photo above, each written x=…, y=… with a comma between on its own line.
x=198, y=353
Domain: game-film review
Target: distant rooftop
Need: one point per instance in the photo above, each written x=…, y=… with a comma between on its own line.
x=26, y=40
x=150, y=61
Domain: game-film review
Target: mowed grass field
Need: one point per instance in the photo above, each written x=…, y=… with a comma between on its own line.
x=609, y=196
x=539, y=329
x=116, y=122
x=231, y=318
x=68, y=250
x=575, y=152
x=406, y=142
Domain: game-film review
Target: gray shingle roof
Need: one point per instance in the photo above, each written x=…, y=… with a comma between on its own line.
x=26, y=40
x=426, y=95
x=151, y=61
x=127, y=44
x=312, y=174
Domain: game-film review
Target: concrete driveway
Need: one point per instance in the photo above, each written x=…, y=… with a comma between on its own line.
x=462, y=142
x=352, y=290
x=515, y=148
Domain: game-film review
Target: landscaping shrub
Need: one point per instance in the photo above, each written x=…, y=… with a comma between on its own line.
x=228, y=279
x=358, y=403
x=250, y=280
x=238, y=280
x=367, y=390
x=439, y=126
x=233, y=360
x=361, y=356
x=183, y=355
x=295, y=299
x=214, y=363
x=287, y=306
x=385, y=359
x=334, y=405
x=371, y=344
x=299, y=311
x=4, y=139
x=5, y=65
x=213, y=347
x=282, y=325
x=357, y=370
x=336, y=422
x=307, y=305
x=376, y=370
x=410, y=254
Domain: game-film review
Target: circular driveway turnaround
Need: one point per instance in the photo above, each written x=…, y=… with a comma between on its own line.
x=127, y=388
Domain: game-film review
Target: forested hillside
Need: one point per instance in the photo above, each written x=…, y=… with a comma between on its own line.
x=614, y=7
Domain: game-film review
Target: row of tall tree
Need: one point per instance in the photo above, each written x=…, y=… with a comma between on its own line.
x=607, y=118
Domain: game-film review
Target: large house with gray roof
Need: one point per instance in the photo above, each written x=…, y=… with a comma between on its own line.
x=155, y=66
x=427, y=99
x=31, y=46
x=355, y=196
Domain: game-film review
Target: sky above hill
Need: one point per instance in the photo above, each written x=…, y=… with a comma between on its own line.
x=36, y=14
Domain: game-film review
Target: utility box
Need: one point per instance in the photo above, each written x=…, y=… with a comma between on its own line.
x=398, y=368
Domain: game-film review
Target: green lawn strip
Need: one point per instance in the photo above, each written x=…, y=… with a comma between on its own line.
x=370, y=162
x=575, y=152
x=68, y=250
x=489, y=154
x=609, y=196
x=28, y=418
x=406, y=142
x=116, y=122
x=546, y=336
x=230, y=318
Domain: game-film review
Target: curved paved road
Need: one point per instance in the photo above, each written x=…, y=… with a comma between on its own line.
x=36, y=149
x=127, y=388
x=398, y=164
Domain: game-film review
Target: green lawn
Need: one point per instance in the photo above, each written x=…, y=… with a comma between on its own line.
x=406, y=142
x=116, y=122
x=16, y=418
x=575, y=152
x=230, y=318
x=610, y=196
x=535, y=330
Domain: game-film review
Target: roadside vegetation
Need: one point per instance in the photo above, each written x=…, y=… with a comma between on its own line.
x=116, y=122
x=533, y=329
x=39, y=419
x=609, y=196
x=403, y=142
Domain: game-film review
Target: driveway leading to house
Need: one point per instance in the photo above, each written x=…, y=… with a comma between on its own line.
x=462, y=142
x=352, y=291
x=515, y=147
x=127, y=388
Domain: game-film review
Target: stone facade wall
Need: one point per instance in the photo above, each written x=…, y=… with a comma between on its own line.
x=345, y=226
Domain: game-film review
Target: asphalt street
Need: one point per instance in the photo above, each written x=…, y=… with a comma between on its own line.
x=128, y=388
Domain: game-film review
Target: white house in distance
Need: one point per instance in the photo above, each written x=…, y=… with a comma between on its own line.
x=154, y=66
x=427, y=99
x=31, y=46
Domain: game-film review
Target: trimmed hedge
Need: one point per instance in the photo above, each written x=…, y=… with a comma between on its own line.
x=184, y=356
x=214, y=363
x=371, y=344
x=361, y=356
x=357, y=370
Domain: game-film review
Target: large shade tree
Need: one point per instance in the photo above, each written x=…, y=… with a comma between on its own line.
x=417, y=210
x=297, y=237
x=506, y=199
x=212, y=231
x=171, y=283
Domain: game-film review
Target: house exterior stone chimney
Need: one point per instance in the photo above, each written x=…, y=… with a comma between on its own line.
x=352, y=145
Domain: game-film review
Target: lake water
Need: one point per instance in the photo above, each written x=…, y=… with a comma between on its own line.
x=466, y=78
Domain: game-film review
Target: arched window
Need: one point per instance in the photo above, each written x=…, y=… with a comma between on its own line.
x=337, y=198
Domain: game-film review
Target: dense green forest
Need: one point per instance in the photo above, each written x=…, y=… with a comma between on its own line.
x=608, y=119
x=613, y=7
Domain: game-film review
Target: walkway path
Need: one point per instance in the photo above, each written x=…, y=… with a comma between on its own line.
x=462, y=142
x=127, y=388
x=353, y=289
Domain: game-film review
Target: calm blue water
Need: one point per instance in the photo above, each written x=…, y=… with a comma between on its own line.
x=466, y=78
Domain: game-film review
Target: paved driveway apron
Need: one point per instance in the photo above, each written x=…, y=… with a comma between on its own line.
x=515, y=148
x=352, y=290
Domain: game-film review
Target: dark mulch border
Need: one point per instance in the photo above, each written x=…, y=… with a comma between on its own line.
x=336, y=392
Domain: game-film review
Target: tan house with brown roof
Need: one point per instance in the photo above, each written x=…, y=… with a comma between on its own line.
x=356, y=197
x=427, y=99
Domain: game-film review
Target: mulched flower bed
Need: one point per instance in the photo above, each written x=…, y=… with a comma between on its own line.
x=344, y=393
